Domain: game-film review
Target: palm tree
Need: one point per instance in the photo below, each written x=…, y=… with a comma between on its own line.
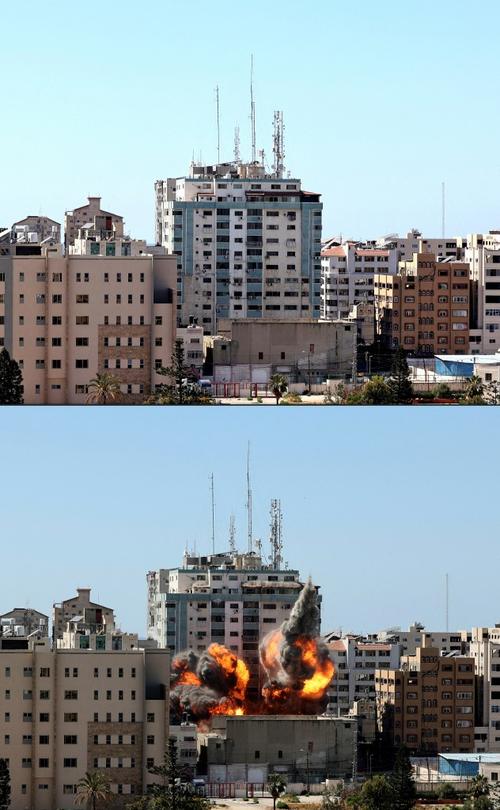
x=93, y=787
x=279, y=386
x=277, y=786
x=103, y=388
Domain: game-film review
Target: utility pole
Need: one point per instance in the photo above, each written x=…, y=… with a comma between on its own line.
x=447, y=602
x=443, y=209
x=309, y=368
x=249, y=503
x=218, y=122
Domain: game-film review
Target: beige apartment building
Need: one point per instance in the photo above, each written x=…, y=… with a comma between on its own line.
x=63, y=612
x=428, y=704
x=67, y=318
x=66, y=711
x=424, y=307
x=80, y=217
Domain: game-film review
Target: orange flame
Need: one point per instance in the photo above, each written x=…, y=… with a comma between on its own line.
x=189, y=677
x=315, y=686
x=232, y=665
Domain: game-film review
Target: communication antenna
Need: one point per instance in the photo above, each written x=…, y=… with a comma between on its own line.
x=217, y=103
x=278, y=144
x=276, y=535
x=443, y=209
x=252, y=113
x=249, y=503
x=213, y=511
x=447, y=599
x=237, y=155
x=232, y=534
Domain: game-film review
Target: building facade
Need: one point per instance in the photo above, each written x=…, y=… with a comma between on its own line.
x=36, y=229
x=68, y=711
x=424, y=308
x=303, y=748
x=428, y=704
x=482, y=252
x=232, y=599
x=305, y=351
x=63, y=612
x=79, y=217
x=22, y=622
x=356, y=661
x=347, y=276
x=66, y=318
x=247, y=244
x=192, y=341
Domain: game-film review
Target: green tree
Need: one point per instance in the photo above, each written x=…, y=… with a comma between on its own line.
x=399, y=380
x=4, y=785
x=375, y=392
x=443, y=391
x=11, y=380
x=92, y=788
x=492, y=393
x=479, y=786
x=102, y=388
x=173, y=791
x=401, y=782
x=376, y=794
x=276, y=784
x=181, y=388
x=279, y=386
x=481, y=803
x=446, y=791
x=474, y=391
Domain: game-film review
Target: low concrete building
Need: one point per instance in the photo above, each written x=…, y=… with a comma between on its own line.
x=35, y=229
x=76, y=606
x=305, y=748
x=186, y=741
x=192, y=339
x=304, y=350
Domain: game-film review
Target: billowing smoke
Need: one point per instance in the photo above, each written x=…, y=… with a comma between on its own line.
x=212, y=683
x=296, y=661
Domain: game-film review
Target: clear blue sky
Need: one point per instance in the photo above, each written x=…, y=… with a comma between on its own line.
x=382, y=101
x=378, y=504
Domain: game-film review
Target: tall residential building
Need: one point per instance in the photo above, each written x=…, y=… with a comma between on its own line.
x=454, y=641
x=424, y=307
x=356, y=661
x=79, y=217
x=485, y=650
x=67, y=318
x=428, y=704
x=65, y=611
x=232, y=599
x=247, y=243
x=347, y=275
x=79, y=708
x=35, y=229
x=482, y=252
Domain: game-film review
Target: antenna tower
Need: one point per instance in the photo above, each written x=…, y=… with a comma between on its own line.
x=276, y=535
x=213, y=511
x=252, y=113
x=443, y=209
x=237, y=154
x=232, y=534
x=249, y=503
x=278, y=143
x=447, y=596
x=217, y=103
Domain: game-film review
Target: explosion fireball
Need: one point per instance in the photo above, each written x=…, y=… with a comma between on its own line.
x=295, y=662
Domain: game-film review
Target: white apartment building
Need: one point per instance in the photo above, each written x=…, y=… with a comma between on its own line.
x=66, y=711
x=445, y=247
x=347, y=273
x=232, y=599
x=355, y=663
x=192, y=340
x=247, y=243
x=482, y=251
x=409, y=640
x=186, y=741
x=65, y=319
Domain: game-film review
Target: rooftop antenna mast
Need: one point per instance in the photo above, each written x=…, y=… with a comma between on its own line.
x=278, y=144
x=443, y=209
x=252, y=113
x=447, y=597
x=213, y=511
x=237, y=154
x=217, y=103
x=249, y=503
x=232, y=534
x=276, y=535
